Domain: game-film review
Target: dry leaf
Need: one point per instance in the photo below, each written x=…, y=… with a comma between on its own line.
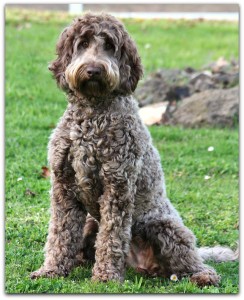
x=28, y=192
x=45, y=172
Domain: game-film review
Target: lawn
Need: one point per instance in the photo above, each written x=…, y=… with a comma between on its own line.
x=33, y=105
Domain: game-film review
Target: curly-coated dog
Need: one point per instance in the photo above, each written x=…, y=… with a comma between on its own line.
x=108, y=196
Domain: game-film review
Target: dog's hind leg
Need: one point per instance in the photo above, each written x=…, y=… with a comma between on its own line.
x=174, y=248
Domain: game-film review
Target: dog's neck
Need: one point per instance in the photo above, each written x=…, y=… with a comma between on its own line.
x=112, y=103
x=98, y=102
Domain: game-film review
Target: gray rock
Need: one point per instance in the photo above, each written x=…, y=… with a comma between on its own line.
x=201, y=82
x=163, y=85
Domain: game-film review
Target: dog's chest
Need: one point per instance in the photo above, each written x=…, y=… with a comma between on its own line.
x=91, y=141
x=91, y=145
x=96, y=136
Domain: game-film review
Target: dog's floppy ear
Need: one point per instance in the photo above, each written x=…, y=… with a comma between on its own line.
x=130, y=66
x=64, y=50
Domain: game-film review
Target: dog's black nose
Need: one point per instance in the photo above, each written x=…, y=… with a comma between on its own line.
x=94, y=71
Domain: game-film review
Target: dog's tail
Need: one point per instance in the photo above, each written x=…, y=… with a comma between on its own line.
x=219, y=254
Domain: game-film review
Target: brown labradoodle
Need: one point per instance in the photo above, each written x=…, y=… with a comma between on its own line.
x=108, y=196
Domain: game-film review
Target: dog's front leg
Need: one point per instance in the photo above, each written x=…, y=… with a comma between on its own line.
x=68, y=216
x=112, y=243
x=64, y=241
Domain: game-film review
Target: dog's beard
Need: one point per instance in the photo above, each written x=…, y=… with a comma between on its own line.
x=97, y=86
x=93, y=87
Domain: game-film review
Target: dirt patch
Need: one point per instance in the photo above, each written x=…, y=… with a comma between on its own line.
x=211, y=107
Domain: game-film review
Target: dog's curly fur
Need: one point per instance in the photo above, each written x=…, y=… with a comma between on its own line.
x=108, y=196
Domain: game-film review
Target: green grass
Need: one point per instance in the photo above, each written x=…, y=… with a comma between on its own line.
x=33, y=106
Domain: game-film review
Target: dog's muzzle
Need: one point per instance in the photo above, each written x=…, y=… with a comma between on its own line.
x=92, y=79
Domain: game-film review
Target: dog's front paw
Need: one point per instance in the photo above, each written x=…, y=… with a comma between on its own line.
x=51, y=273
x=106, y=275
x=205, y=278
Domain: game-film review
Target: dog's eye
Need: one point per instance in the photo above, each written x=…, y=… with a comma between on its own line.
x=83, y=45
x=108, y=46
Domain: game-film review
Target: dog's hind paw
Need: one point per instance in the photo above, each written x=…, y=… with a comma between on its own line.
x=205, y=278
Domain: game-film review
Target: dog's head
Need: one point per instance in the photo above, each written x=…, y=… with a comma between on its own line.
x=96, y=57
